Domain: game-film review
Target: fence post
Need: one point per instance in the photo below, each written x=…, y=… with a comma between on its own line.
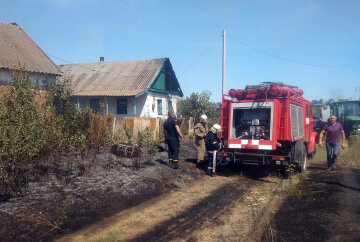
x=191, y=126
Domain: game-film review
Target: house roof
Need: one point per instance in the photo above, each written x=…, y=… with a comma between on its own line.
x=18, y=49
x=122, y=78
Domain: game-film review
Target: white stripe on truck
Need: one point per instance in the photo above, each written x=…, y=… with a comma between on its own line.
x=265, y=147
x=235, y=146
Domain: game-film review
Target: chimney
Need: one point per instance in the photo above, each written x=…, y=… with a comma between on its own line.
x=101, y=59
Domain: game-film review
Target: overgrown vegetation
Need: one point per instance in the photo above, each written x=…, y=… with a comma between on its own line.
x=37, y=124
x=34, y=125
x=70, y=126
x=23, y=130
x=351, y=155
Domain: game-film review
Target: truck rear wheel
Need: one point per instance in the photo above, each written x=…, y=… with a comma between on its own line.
x=304, y=161
x=300, y=156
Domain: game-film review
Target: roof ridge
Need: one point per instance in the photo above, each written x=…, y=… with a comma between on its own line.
x=84, y=63
x=56, y=70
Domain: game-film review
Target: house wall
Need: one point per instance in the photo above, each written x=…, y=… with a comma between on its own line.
x=146, y=105
x=150, y=108
x=44, y=80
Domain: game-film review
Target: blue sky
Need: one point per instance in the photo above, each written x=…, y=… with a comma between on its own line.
x=323, y=34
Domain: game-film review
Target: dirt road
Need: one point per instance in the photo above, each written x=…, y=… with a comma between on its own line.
x=228, y=208
x=316, y=206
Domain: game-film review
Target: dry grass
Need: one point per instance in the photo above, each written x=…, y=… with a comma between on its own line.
x=350, y=157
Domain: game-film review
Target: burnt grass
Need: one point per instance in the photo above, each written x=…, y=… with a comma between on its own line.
x=321, y=208
x=67, y=193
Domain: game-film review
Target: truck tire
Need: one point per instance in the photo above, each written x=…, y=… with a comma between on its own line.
x=304, y=160
x=300, y=156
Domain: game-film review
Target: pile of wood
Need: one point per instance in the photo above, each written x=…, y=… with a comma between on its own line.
x=125, y=150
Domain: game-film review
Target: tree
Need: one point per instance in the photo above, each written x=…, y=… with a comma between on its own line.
x=199, y=103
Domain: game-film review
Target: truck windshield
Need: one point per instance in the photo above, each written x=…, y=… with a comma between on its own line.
x=346, y=109
x=251, y=123
x=352, y=109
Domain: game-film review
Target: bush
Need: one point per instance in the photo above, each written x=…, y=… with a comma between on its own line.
x=146, y=139
x=23, y=130
x=32, y=125
x=71, y=126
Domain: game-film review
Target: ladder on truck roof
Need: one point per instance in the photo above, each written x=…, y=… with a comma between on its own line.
x=268, y=84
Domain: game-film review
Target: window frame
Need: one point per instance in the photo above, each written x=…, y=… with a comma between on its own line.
x=159, y=106
x=123, y=105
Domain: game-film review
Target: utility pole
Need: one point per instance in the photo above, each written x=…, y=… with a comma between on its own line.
x=224, y=63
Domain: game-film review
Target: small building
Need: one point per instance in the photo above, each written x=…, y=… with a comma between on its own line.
x=141, y=88
x=19, y=51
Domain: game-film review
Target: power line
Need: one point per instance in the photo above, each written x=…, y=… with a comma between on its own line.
x=288, y=59
x=199, y=58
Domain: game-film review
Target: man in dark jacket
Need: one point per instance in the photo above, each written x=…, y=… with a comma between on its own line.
x=172, y=134
x=212, y=143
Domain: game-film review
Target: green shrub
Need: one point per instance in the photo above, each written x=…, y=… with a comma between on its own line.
x=71, y=126
x=146, y=139
x=23, y=130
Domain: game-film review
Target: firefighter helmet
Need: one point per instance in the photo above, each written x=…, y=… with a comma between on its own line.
x=203, y=117
x=216, y=128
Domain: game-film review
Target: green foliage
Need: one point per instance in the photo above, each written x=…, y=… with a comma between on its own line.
x=146, y=139
x=23, y=129
x=128, y=134
x=29, y=129
x=70, y=125
x=199, y=103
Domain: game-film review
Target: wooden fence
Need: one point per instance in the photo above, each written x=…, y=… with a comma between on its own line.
x=136, y=124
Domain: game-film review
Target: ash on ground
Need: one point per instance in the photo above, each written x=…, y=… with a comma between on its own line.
x=66, y=193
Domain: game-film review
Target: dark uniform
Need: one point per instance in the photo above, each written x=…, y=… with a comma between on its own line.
x=212, y=142
x=172, y=139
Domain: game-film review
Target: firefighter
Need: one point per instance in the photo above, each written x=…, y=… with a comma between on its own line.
x=200, y=133
x=212, y=143
x=172, y=134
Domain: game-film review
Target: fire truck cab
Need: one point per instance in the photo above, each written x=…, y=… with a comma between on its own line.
x=267, y=124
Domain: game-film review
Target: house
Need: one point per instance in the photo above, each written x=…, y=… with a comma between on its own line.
x=18, y=50
x=141, y=88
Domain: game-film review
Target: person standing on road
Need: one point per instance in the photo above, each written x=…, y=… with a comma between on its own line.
x=333, y=131
x=212, y=143
x=172, y=134
x=200, y=133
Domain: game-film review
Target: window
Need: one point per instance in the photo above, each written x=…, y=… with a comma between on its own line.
x=297, y=122
x=159, y=106
x=95, y=104
x=170, y=107
x=121, y=106
x=251, y=123
x=307, y=110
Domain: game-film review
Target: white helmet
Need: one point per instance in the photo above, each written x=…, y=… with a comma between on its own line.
x=203, y=117
x=216, y=128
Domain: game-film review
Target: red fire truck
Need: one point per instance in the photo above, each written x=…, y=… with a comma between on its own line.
x=267, y=124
